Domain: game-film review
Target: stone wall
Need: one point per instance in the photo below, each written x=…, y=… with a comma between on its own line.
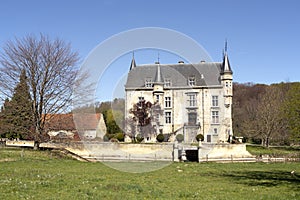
x=107, y=151
x=223, y=151
x=20, y=143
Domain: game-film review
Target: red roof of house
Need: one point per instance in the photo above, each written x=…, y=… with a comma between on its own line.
x=87, y=121
x=71, y=122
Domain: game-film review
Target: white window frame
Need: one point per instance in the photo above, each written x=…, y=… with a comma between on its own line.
x=215, y=101
x=148, y=82
x=226, y=84
x=192, y=81
x=215, y=117
x=215, y=131
x=168, y=117
x=168, y=103
x=192, y=100
x=167, y=82
x=157, y=98
x=141, y=99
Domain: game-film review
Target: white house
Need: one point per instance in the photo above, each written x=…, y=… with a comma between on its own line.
x=195, y=98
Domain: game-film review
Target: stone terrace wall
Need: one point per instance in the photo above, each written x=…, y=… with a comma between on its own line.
x=107, y=151
x=20, y=143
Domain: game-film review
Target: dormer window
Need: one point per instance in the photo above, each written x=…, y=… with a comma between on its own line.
x=167, y=83
x=148, y=83
x=191, y=81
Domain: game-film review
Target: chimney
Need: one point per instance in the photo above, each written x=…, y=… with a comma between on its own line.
x=202, y=61
x=180, y=61
x=156, y=62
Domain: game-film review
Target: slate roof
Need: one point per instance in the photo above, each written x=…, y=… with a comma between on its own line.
x=206, y=74
x=226, y=65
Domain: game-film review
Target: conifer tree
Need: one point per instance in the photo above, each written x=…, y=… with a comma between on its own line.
x=5, y=126
x=17, y=113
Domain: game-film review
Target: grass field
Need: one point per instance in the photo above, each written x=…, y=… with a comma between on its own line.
x=293, y=152
x=27, y=174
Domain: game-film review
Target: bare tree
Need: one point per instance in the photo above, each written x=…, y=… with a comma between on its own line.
x=270, y=121
x=245, y=102
x=50, y=67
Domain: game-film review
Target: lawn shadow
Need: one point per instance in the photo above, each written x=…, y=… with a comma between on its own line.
x=265, y=178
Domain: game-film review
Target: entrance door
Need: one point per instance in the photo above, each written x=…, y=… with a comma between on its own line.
x=208, y=138
x=192, y=118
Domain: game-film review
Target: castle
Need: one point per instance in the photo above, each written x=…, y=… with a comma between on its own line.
x=194, y=98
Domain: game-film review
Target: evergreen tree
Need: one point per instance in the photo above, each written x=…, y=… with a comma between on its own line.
x=17, y=115
x=112, y=126
x=4, y=124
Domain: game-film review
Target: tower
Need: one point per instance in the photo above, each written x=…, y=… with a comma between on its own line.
x=158, y=96
x=226, y=81
x=133, y=64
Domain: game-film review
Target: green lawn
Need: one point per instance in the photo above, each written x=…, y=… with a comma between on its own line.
x=27, y=174
x=287, y=151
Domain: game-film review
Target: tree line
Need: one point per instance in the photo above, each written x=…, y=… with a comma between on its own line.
x=267, y=114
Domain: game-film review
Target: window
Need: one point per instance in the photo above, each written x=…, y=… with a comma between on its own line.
x=192, y=101
x=215, y=131
x=191, y=81
x=156, y=117
x=215, y=117
x=226, y=84
x=157, y=98
x=192, y=118
x=168, y=117
x=167, y=102
x=148, y=82
x=215, y=101
x=167, y=82
x=141, y=99
x=208, y=138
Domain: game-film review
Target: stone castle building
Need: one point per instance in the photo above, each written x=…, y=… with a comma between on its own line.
x=194, y=98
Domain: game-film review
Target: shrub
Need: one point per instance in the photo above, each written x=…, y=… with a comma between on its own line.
x=139, y=138
x=114, y=140
x=160, y=137
x=106, y=138
x=199, y=137
x=167, y=137
x=120, y=137
x=179, y=137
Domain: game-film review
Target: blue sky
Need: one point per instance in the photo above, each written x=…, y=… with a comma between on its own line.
x=263, y=36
